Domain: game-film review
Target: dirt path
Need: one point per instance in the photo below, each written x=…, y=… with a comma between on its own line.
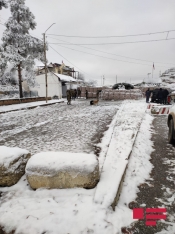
x=159, y=191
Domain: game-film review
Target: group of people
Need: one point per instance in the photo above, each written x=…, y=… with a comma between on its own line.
x=72, y=94
x=161, y=95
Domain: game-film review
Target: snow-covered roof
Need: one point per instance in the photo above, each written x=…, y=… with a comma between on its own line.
x=39, y=64
x=65, y=78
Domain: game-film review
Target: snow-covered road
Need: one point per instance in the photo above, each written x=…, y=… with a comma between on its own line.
x=74, y=211
x=75, y=128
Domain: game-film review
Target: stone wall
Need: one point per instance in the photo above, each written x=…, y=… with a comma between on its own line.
x=23, y=100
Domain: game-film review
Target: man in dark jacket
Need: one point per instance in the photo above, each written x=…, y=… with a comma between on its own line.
x=75, y=93
x=68, y=92
x=86, y=94
x=160, y=96
x=79, y=93
x=148, y=93
x=165, y=95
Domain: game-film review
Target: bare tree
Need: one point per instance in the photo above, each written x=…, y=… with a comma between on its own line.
x=86, y=82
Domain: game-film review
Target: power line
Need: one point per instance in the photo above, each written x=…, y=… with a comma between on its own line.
x=115, y=43
x=132, y=35
x=68, y=60
x=69, y=43
x=64, y=57
x=101, y=57
x=109, y=58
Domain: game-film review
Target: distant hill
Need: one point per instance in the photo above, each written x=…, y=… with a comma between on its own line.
x=169, y=76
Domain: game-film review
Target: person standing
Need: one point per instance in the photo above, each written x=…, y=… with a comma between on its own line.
x=75, y=93
x=147, y=94
x=165, y=95
x=86, y=94
x=68, y=92
x=79, y=92
x=98, y=94
x=160, y=96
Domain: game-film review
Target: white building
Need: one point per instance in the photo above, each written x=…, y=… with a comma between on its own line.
x=57, y=84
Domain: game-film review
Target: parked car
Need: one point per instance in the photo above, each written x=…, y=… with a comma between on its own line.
x=171, y=125
x=126, y=85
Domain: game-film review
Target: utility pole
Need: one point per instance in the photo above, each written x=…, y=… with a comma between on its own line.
x=116, y=79
x=103, y=80
x=44, y=39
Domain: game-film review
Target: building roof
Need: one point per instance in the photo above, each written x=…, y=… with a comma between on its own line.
x=65, y=78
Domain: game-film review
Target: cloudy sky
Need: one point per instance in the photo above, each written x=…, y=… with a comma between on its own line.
x=131, y=62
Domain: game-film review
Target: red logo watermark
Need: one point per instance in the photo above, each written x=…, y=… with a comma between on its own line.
x=149, y=214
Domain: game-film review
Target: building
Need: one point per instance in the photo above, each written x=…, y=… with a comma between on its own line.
x=57, y=68
x=57, y=84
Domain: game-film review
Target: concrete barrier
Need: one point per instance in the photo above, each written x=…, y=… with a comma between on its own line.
x=62, y=170
x=160, y=110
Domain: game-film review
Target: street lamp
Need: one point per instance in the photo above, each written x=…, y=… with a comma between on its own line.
x=44, y=36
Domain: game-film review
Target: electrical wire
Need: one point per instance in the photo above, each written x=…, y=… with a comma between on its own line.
x=102, y=57
x=132, y=35
x=110, y=53
x=69, y=61
x=111, y=58
x=115, y=43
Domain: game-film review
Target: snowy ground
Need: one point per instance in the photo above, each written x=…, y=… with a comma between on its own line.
x=58, y=127
x=71, y=210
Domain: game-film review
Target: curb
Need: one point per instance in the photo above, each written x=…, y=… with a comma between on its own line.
x=117, y=172
x=30, y=107
x=116, y=199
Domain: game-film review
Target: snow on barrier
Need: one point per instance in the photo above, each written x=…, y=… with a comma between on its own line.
x=160, y=110
x=115, y=94
x=62, y=170
x=128, y=121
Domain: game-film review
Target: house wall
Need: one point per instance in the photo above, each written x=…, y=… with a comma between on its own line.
x=54, y=86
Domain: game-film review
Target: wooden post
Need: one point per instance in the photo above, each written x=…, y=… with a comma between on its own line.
x=19, y=70
x=20, y=79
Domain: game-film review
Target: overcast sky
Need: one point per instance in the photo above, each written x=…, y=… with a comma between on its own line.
x=93, y=18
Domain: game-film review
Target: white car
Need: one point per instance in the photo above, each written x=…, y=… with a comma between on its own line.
x=171, y=125
x=171, y=98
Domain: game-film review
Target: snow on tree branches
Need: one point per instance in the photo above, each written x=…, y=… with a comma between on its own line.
x=3, y=3
x=19, y=47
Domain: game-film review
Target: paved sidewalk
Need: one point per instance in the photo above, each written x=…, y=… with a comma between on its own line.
x=29, y=105
x=159, y=190
x=60, y=127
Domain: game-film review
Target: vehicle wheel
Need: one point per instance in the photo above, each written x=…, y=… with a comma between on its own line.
x=171, y=132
